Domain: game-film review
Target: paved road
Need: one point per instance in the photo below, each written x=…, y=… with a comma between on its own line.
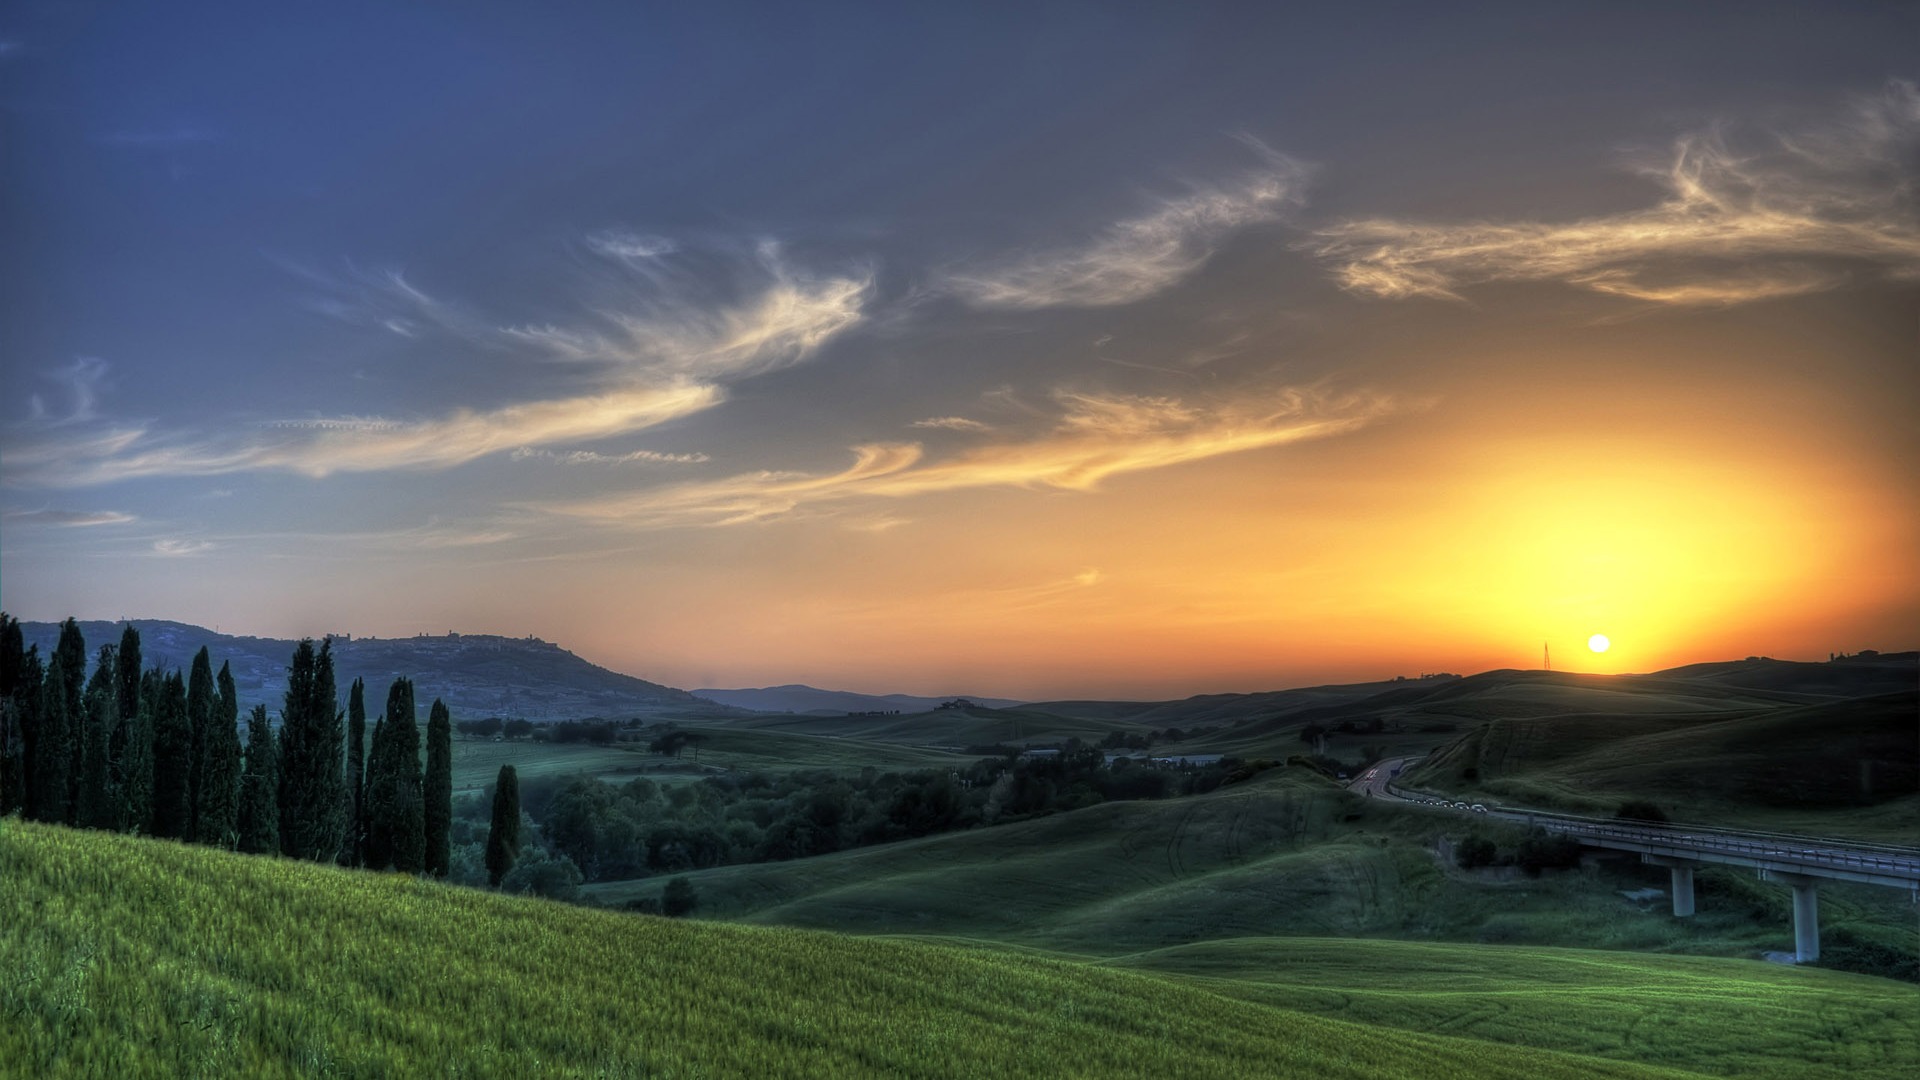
x=1875, y=864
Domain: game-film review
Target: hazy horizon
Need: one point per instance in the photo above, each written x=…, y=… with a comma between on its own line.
x=1035, y=354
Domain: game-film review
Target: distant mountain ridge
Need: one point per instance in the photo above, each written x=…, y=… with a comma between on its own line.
x=477, y=675
x=799, y=698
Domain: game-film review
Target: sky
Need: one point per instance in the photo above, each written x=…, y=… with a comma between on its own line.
x=1026, y=350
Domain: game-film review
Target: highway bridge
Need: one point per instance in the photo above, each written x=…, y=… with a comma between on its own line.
x=1798, y=862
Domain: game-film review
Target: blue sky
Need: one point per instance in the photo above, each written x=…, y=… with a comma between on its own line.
x=728, y=342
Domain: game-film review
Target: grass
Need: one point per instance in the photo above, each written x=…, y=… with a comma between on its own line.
x=129, y=957
x=947, y=727
x=779, y=751
x=476, y=762
x=1709, y=1015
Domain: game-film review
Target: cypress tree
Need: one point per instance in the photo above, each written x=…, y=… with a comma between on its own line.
x=172, y=761
x=218, y=819
x=503, y=838
x=101, y=714
x=375, y=849
x=312, y=789
x=52, y=762
x=130, y=750
x=357, y=772
x=258, y=823
x=13, y=765
x=396, y=824
x=26, y=701
x=72, y=649
x=437, y=794
x=199, y=723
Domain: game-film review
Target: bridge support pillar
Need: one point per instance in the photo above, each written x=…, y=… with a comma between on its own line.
x=1806, y=913
x=1681, y=871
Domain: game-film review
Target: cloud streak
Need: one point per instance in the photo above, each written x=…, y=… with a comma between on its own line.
x=1138, y=257
x=1095, y=437
x=951, y=423
x=671, y=357
x=1792, y=216
x=791, y=317
x=589, y=457
x=70, y=519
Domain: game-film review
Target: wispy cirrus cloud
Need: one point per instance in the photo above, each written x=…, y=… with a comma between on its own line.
x=321, y=447
x=673, y=355
x=180, y=548
x=68, y=519
x=626, y=244
x=951, y=423
x=1094, y=437
x=790, y=316
x=589, y=457
x=1133, y=259
x=1796, y=212
x=83, y=380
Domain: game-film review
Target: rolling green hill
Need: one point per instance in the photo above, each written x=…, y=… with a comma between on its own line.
x=1709, y=1015
x=973, y=726
x=1282, y=855
x=477, y=761
x=1846, y=767
x=128, y=957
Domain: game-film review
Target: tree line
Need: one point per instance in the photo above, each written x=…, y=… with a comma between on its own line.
x=149, y=751
x=595, y=831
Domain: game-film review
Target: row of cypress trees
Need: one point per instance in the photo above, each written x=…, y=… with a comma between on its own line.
x=148, y=751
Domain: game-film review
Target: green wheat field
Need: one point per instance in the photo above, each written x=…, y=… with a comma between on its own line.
x=130, y=957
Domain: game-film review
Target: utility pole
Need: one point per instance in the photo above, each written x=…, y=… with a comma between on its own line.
x=1546, y=655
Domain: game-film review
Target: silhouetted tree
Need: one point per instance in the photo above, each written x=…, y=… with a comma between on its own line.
x=312, y=798
x=172, y=760
x=219, y=818
x=258, y=823
x=503, y=838
x=199, y=723
x=72, y=649
x=396, y=825
x=50, y=766
x=13, y=750
x=131, y=747
x=100, y=714
x=437, y=793
x=357, y=772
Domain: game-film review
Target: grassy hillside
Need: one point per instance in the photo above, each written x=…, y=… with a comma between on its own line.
x=1286, y=854
x=476, y=762
x=1698, y=1013
x=1845, y=767
x=946, y=727
x=127, y=957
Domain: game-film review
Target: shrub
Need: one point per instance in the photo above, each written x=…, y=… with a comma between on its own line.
x=539, y=874
x=1475, y=852
x=678, y=900
x=1542, y=850
x=1640, y=810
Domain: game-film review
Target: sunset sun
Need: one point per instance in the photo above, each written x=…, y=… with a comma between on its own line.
x=1599, y=643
